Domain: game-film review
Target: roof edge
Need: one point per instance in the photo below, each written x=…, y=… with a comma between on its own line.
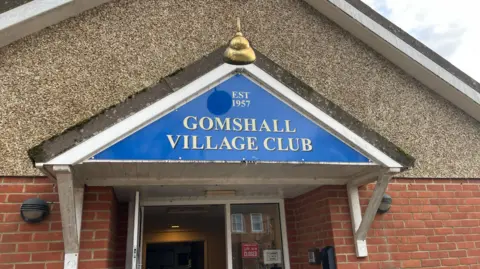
x=415, y=43
x=404, y=51
x=333, y=110
x=117, y=112
x=424, y=64
x=36, y=15
x=82, y=131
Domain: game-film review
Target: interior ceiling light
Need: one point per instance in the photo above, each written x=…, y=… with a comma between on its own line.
x=186, y=210
x=220, y=193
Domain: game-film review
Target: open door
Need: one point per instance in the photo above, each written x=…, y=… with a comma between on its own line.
x=137, y=233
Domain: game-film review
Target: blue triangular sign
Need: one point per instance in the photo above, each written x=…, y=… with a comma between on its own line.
x=237, y=120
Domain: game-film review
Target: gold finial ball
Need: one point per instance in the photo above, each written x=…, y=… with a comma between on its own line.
x=239, y=51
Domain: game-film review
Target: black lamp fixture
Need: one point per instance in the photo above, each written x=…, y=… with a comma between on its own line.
x=385, y=204
x=34, y=210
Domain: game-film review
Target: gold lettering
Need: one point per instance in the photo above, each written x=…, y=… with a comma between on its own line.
x=265, y=143
x=287, y=126
x=264, y=126
x=209, y=143
x=225, y=144
x=234, y=143
x=190, y=127
x=291, y=146
x=280, y=144
x=237, y=122
x=201, y=123
x=275, y=127
x=173, y=143
x=251, y=143
x=195, y=143
x=185, y=142
x=250, y=126
x=306, y=144
x=219, y=125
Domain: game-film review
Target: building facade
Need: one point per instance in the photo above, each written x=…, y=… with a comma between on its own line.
x=139, y=134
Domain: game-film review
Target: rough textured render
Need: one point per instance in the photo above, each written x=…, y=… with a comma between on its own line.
x=71, y=71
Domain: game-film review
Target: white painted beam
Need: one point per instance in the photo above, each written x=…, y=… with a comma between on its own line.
x=228, y=235
x=71, y=206
x=361, y=225
x=356, y=216
x=134, y=181
x=67, y=208
x=131, y=223
x=409, y=59
x=283, y=228
x=38, y=14
x=365, y=178
x=141, y=119
x=372, y=207
x=136, y=232
x=322, y=118
x=79, y=191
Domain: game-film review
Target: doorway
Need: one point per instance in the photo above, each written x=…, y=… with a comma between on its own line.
x=236, y=234
x=184, y=237
x=180, y=255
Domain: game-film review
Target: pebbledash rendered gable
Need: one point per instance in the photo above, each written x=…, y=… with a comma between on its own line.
x=85, y=130
x=71, y=71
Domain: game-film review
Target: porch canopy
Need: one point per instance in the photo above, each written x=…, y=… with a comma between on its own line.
x=252, y=129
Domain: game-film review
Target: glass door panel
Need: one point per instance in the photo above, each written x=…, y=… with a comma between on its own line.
x=256, y=236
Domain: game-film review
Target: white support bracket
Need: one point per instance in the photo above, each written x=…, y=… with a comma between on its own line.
x=361, y=225
x=70, y=194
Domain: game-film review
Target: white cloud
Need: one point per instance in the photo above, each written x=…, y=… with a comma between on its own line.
x=450, y=28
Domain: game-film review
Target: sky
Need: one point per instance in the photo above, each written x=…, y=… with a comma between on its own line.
x=450, y=28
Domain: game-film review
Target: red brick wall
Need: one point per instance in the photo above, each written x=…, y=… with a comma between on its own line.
x=40, y=246
x=121, y=238
x=432, y=223
x=309, y=223
x=98, y=238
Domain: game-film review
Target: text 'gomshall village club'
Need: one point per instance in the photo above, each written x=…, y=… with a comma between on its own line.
x=231, y=135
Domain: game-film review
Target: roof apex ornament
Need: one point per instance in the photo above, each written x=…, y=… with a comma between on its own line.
x=239, y=51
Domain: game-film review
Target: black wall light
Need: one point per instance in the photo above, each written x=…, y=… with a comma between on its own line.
x=34, y=210
x=385, y=204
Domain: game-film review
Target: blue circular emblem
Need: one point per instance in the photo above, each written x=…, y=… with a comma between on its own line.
x=219, y=102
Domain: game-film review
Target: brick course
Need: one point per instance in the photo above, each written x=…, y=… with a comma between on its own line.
x=433, y=223
x=40, y=246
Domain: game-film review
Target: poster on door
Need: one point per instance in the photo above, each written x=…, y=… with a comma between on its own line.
x=249, y=250
x=272, y=256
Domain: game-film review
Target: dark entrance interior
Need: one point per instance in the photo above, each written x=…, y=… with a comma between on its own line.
x=184, y=237
x=178, y=255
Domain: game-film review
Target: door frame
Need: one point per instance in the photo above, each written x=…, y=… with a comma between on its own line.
x=228, y=231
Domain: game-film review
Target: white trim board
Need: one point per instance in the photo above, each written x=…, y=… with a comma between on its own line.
x=403, y=55
x=31, y=17
x=117, y=132
x=323, y=119
x=36, y=15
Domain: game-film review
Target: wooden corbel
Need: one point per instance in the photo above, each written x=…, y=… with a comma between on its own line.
x=70, y=194
x=361, y=225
